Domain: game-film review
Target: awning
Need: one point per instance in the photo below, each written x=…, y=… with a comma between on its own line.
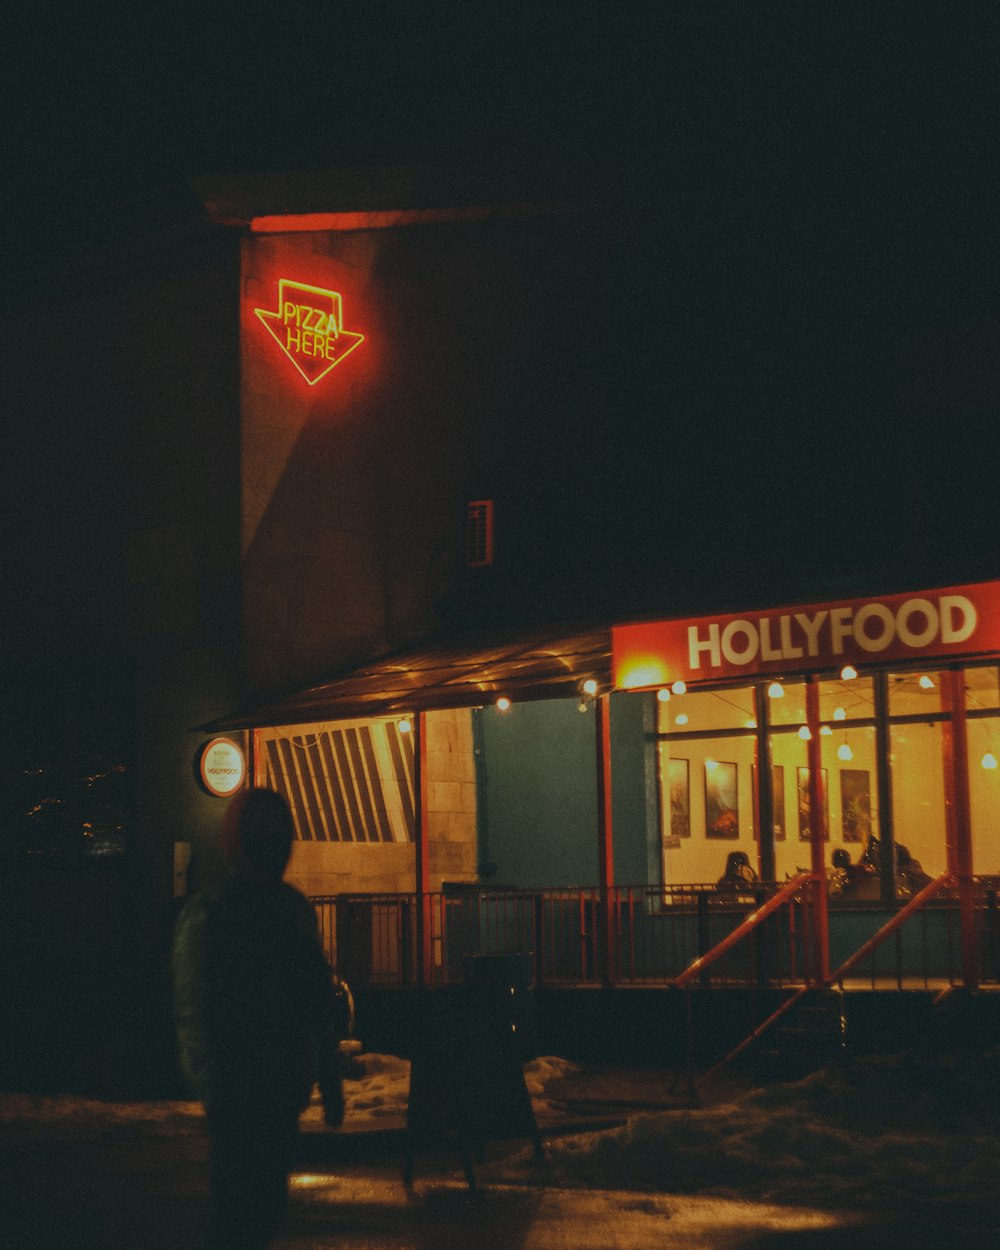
x=451, y=673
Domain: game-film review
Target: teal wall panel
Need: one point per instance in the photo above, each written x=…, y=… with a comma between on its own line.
x=538, y=793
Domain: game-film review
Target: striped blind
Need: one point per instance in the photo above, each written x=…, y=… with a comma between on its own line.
x=352, y=781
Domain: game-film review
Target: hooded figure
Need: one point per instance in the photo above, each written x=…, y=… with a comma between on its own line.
x=256, y=1020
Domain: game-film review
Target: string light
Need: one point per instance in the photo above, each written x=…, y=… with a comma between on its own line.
x=989, y=760
x=590, y=687
x=848, y=672
x=844, y=752
x=776, y=690
x=926, y=683
x=839, y=714
x=503, y=703
x=825, y=730
x=805, y=733
x=663, y=694
x=681, y=719
x=678, y=687
x=405, y=725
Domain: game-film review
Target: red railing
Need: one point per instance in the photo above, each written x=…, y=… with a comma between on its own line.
x=666, y=935
x=632, y=935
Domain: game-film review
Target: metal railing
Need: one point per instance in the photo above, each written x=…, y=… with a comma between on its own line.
x=638, y=935
x=653, y=935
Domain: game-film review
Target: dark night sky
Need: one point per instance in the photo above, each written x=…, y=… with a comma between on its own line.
x=809, y=280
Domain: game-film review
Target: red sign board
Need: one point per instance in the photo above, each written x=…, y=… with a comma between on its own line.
x=959, y=620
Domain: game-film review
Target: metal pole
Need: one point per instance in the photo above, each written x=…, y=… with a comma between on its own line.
x=605, y=840
x=422, y=873
x=765, y=797
x=959, y=827
x=821, y=926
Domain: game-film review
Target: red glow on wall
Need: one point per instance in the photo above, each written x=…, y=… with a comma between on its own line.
x=308, y=326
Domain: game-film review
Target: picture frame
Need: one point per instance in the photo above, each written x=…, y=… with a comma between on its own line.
x=679, y=798
x=722, y=807
x=803, y=797
x=855, y=804
x=778, y=802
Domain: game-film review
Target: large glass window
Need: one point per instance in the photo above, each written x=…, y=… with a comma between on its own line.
x=982, y=700
x=707, y=782
x=918, y=793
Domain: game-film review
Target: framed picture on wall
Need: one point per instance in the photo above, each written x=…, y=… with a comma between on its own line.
x=722, y=807
x=855, y=804
x=778, y=801
x=679, y=787
x=803, y=779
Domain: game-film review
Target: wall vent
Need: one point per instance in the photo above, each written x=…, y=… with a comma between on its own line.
x=479, y=534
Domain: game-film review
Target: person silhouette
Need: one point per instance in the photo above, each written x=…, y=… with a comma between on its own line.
x=256, y=1018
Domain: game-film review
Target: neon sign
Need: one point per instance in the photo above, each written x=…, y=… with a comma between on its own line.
x=308, y=326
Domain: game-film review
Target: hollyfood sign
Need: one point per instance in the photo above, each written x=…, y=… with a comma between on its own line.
x=221, y=767
x=960, y=620
x=308, y=326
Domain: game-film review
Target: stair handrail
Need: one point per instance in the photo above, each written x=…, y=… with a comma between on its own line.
x=743, y=929
x=890, y=927
x=836, y=977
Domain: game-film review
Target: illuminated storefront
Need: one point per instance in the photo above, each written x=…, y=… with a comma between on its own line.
x=897, y=698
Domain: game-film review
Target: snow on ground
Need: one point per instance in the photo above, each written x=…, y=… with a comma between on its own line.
x=907, y=1129
x=903, y=1130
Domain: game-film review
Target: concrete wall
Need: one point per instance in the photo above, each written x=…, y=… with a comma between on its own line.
x=354, y=490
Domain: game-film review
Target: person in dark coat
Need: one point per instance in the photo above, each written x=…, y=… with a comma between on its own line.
x=256, y=1021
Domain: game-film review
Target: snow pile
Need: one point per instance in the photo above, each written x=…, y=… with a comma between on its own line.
x=907, y=1130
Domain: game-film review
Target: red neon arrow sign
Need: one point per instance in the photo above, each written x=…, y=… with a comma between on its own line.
x=309, y=328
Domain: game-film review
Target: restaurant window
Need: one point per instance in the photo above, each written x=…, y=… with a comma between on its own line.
x=982, y=701
x=707, y=751
x=916, y=754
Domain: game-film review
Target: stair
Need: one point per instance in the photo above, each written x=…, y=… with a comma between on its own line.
x=811, y=1036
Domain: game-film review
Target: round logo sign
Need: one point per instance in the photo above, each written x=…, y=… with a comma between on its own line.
x=221, y=767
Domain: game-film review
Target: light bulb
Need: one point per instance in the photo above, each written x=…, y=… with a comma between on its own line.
x=848, y=672
x=678, y=687
x=663, y=694
x=776, y=690
x=710, y=764
x=404, y=725
x=839, y=714
x=989, y=760
x=503, y=703
x=590, y=686
x=926, y=683
x=844, y=752
x=681, y=719
x=825, y=730
x=805, y=733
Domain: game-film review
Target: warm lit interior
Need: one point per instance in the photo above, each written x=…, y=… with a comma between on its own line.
x=708, y=743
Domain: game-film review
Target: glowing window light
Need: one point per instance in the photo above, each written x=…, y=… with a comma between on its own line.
x=805, y=733
x=663, y=694
x=678, y=687
x=776, y=690
x=844, y=752
x=989, y=760
x=848, y=672
x=308, y=326
x=926, y=683
x=503, y=704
